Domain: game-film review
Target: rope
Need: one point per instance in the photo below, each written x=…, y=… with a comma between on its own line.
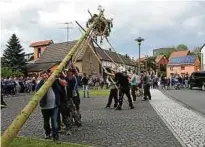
x=91, y=47
x=98, y=45
x=109, y=75
x=114, y=50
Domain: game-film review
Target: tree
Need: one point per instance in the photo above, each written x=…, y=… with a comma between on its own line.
x=7, y=72
x=182, y=47
x=151, y=64
x=13, y=56
x=196, y=51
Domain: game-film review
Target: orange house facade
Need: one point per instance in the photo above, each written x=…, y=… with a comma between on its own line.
x=183, y=65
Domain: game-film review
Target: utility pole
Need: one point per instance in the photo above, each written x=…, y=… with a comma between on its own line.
x=67, y=29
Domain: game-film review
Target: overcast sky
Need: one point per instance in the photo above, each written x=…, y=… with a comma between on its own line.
x=160, y=23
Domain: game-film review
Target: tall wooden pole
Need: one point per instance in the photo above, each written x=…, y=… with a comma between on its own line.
x=11, y=132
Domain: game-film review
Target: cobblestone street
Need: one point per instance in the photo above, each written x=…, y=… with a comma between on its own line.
x=139, y=127
x=189, y=126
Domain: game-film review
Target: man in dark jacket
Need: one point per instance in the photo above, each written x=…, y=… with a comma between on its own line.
x=50, y=107
x=146, y=86
x=124, y=88
x=85, y=80
x=71, y=95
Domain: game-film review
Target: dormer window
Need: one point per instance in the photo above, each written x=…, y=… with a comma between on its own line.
x=39, y=52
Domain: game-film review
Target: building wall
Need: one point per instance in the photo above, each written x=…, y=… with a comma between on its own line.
x=177, y=69
x=90, y=65
x=43, y=48
x=163, y=61
x=203, y=57
x=187, y=68
x=77, y=64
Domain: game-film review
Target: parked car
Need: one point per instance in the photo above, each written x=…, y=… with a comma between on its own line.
x=197, y=79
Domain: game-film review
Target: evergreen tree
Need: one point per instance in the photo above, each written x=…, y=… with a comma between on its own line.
x=182, y=47
x=13, y=56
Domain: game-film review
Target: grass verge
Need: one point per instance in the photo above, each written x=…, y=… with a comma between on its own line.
x=97, y=92
x=31, y=142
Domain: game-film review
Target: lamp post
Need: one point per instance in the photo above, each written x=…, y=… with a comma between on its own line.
x=139, y=40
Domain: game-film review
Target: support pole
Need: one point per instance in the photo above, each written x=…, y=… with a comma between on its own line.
x=11, y=132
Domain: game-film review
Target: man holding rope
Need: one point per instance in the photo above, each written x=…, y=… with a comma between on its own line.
x=121, y=79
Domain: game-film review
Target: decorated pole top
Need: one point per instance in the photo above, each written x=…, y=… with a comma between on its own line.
x=103, y=26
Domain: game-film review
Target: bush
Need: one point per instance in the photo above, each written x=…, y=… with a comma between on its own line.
x=7, y=72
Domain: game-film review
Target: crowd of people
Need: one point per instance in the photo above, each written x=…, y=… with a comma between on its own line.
x=11, y=86
x=61, y=103
x=176, y=81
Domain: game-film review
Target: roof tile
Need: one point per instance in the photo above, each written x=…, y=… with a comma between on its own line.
x=179, y=53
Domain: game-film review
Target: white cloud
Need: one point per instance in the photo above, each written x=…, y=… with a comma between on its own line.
x=157, y=21
x=194, y=21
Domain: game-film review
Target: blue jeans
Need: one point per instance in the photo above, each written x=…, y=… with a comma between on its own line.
x=53, y=115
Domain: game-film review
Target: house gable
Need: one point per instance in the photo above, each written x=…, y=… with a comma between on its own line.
x=179, y=54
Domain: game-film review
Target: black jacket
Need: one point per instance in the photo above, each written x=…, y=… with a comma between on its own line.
x=85, y=80
x=56, y=89
x=122, y=80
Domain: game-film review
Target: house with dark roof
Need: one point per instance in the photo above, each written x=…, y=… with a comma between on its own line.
x=39, y=48
x=86, y=61
x=182, y=65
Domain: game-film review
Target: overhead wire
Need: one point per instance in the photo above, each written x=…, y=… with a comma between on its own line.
x=115, y=51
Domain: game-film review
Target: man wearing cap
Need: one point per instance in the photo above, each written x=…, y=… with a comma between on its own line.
x=121, y=79
x=113, y=93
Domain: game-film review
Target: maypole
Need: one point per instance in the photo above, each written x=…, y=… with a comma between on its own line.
x=11, y=132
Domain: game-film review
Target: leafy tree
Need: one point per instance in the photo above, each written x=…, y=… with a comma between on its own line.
x=151, y=64
x=7, y=72
x=13, y=56
x=167, y=54
x=182, y=47
x=196, y=51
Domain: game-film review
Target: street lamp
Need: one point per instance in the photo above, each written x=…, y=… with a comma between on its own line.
x=139, y=40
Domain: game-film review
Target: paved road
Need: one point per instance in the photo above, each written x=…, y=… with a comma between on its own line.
x=194, y=99
x=140, y=127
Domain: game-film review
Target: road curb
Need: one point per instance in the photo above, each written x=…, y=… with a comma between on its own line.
x=169, y=126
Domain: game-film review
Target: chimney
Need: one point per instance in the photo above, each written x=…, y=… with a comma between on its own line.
x=126, y=55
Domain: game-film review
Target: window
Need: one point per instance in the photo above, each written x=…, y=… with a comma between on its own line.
x=39, y=52
x=182, y=67
x=171, y=68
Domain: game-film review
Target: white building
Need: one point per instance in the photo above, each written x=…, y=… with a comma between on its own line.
x=203, y=57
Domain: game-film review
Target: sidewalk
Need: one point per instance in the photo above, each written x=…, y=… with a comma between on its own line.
x=140, y=127
x=187, y=125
